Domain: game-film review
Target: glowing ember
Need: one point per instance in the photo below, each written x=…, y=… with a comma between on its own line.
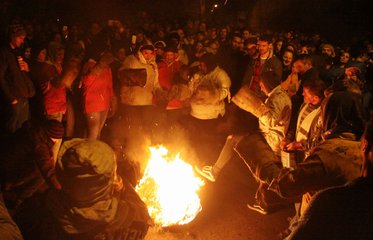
x=170, y=189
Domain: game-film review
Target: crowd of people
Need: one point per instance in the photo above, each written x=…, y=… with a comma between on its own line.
x=78, y=103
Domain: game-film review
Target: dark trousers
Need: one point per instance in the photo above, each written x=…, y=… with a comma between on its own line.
x=258, y=156
x=15, y=115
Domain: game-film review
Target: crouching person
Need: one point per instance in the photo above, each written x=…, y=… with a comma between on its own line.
x=93, y=203
x=331, y=214
x=335, y=160
x=26, y=163
x=8, y=229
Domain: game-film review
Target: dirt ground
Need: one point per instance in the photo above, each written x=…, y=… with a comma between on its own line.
x=225, y=215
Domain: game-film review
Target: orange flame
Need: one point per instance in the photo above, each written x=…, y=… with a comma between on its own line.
x=170, y=189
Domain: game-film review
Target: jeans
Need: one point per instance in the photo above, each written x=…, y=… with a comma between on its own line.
x=95, y=123
x=56, y=147
x=226, y=153
x=19, y=114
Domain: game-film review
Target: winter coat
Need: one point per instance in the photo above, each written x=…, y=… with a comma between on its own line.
x=273, y=114
x=97, y=91
x=49, y=88
x=343, y=212
x=167, y=73
x=275, y=122
x=252, y=72
x=14, y=83
x=209, y=92
x=87, y=206
x=178, y=96
x=333, y=162
x=307, y=131
x=138, y=95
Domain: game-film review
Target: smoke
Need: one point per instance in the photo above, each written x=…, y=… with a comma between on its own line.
x=135, y=129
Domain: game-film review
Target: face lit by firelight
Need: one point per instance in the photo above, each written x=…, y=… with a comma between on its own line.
x=263, y=47
x=148, y=54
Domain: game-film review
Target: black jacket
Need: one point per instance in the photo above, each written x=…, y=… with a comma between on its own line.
x=14, y=83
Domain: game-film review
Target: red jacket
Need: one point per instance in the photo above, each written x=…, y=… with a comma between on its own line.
x=55, y=99
x=53, y=92
x=166, y=73
x=97, y=91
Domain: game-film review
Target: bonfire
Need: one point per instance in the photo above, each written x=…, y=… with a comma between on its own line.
x=170, y=189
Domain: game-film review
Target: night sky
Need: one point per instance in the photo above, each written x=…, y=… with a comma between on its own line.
x=328, y=17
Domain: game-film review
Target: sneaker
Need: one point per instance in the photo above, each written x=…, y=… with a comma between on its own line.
x=266, y=209
x=257, y=208
x=206, y=172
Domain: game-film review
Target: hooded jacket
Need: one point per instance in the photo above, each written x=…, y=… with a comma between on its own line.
x=136, y=95
x=87, y=206
x=334, y=161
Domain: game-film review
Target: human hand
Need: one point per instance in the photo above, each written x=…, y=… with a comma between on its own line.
x=283, y=144
x=294, y=146
x=118, y=183
x=22, y=64
x=307, y=197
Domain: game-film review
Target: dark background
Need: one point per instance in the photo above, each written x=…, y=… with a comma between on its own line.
x=332, y=18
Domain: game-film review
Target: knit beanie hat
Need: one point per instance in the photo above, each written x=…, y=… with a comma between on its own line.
x=270, y=80
x=54, y=128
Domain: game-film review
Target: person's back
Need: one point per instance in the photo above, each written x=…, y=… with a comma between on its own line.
x=93, y=203
x=335, y=160
x=8, y=229
x=27, y=161
x=339, y=213
x=343, y=212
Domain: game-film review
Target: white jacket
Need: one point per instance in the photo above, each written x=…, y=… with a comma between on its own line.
x=274, y=123
x=209, y=92
x=140, y=96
